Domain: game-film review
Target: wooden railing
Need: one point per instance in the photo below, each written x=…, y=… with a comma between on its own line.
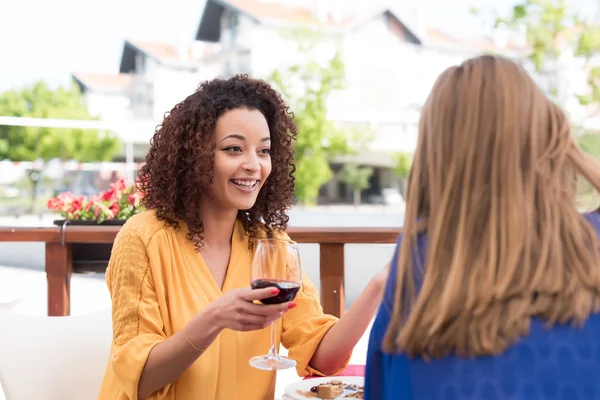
x=64, y=248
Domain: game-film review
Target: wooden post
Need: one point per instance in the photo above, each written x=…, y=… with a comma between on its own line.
x=332, y=278
x=59, y=265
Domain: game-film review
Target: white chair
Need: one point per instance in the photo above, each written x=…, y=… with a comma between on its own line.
x=53, y=358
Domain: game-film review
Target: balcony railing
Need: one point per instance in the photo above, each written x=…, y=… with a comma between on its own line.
x=67, y=249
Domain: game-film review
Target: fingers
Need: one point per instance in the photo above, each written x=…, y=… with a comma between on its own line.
x=258, y=294
x=251, y=322
x=249, y=316
x=255, y=322
x=270, y=309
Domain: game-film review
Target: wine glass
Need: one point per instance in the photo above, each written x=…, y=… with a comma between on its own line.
x=276, y=264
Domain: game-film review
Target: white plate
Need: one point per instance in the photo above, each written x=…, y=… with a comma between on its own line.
x=295, y=390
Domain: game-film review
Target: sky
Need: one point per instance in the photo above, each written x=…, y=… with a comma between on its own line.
x=42, y=39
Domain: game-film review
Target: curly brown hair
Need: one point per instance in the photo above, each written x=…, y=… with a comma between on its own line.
x=179, y=164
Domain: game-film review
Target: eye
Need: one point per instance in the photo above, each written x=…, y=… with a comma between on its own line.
x=233, y=148
x=266, y=151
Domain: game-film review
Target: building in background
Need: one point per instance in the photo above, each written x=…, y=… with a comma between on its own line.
x=391, y=62
x=152, y=78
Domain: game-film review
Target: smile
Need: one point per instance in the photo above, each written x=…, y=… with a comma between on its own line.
x=245, y=184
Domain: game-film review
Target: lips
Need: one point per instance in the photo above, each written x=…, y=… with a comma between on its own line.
x=245, y=183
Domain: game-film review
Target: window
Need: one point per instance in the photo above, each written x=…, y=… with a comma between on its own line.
x=140, y=63
x=231, y=26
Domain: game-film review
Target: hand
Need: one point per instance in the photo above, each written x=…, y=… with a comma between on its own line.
x=380, y=278
x=235, y=309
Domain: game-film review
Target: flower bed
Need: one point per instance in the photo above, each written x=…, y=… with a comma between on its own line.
x=119, y=203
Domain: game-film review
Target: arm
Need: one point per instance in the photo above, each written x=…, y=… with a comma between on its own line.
x=235, y=310
x=345, y=334
x=144, y=359
x=171, y=357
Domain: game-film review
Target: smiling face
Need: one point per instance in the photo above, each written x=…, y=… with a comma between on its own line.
x=242, y=161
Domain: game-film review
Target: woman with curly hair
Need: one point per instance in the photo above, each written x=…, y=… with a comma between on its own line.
x=218, y=176
x=494, y=292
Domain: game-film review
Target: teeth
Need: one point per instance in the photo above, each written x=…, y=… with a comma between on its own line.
x=244, y=183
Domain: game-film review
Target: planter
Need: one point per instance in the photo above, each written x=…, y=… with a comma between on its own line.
x=90, y=258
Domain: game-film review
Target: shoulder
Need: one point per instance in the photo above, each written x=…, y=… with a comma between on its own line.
x=419, y=253
x=593, y=218
x=141, y=228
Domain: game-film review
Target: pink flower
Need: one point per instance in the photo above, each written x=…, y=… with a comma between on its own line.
x=114, y=208
x=119, y=185
x=134, y=199
x=55, y=204
x=76, y=204
x=108, y=195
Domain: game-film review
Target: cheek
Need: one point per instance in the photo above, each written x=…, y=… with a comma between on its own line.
x=266, y=167
x=222, y=167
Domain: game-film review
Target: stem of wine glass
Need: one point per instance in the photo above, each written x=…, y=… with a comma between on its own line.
x=273, y=353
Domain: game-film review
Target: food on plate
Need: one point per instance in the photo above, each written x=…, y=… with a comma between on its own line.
x=355, y=395
x=329, y=391
x=335, y=389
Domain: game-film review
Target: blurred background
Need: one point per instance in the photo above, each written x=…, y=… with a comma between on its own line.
x=84, y=85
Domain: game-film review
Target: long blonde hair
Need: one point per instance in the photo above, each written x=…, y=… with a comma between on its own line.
x=493, y=184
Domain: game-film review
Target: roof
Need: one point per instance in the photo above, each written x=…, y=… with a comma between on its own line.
x=263, y=12
x=102, y=82
x=180, y=56
x=481, y=43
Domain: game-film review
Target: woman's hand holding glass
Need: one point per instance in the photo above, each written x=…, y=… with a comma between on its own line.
x=238, y=311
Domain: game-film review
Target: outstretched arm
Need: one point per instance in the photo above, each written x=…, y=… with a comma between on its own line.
x=338, y=343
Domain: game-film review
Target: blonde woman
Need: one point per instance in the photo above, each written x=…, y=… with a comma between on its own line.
x=494, y=291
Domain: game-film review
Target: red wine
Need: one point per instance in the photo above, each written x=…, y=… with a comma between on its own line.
x=287, y=290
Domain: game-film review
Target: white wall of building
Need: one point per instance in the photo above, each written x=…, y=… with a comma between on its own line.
x=107, y=106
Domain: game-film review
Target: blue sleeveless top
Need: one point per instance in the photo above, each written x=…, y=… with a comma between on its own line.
x=562, y=363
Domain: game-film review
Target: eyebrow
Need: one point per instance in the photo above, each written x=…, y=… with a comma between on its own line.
x=240, y=137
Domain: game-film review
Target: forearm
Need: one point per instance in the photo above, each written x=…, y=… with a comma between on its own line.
x=170, y=358
x=339, y=341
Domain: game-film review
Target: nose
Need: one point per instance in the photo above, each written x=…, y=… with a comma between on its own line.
x=252, y=162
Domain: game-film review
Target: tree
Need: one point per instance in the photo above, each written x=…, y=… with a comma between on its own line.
x=401, y=169
x=555, y=30
x=21, y=143
x=357, y=178
x=306, y=86
x=590, y=144
x=555, y=34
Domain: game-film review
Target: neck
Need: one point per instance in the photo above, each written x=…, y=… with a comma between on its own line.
x=218, y=225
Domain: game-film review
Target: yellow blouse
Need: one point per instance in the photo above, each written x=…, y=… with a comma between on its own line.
x=158, y=282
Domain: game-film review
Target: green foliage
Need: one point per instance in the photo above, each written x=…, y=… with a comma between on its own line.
x=357, y=178
x=402, y=165
x=549, y=25
x=22, y=143
x=306, y=86
x=590, y=143
x=552, y=28
x=19, y=143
